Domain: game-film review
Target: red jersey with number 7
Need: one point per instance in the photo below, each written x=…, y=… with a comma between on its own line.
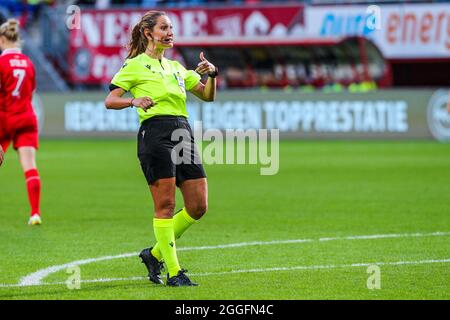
x=17, y=82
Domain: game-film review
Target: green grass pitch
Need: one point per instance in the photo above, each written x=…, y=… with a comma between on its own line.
x=95, y=203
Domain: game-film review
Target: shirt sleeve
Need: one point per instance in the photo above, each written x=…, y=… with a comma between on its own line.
x=191, y=78
x=125, y=78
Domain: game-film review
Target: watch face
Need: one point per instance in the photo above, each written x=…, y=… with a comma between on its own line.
x=213, y=74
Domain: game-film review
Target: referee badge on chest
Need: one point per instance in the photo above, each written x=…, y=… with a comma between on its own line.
x=180, y=81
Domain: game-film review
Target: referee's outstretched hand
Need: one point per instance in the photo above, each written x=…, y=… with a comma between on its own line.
x=144, y=103
x=204, y=66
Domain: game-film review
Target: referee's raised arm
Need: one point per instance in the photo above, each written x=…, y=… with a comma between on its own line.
x=207, y=91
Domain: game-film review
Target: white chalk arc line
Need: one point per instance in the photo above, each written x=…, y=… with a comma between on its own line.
x=37, y=277
x=279, y=269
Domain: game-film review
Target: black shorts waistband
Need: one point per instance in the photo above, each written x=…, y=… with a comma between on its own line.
x=164, y=118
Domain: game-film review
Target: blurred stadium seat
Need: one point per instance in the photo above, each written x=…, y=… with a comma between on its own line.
x=266, y=65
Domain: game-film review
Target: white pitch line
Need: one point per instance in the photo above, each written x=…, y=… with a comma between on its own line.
x=37, y=277
x=319, y=267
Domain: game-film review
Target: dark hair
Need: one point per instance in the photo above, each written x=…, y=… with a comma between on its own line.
x=139, y=42
x=10, y=30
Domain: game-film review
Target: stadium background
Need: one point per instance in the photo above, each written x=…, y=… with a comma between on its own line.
x=293, y=47
x=360, y=94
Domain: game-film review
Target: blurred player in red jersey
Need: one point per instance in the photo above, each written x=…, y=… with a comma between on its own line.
x=18, y=122
x=1, y=154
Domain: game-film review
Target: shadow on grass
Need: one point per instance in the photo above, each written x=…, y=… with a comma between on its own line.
x=62, y=293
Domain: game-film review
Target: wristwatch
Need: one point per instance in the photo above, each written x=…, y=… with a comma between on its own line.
x=214, y=73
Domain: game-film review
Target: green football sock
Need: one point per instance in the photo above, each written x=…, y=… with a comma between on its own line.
x=164, y=234
x=181, y=222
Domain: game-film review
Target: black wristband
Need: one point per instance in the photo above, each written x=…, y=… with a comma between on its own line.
x=214, y=73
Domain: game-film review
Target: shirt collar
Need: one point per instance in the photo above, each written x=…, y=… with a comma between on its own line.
x=152, y=59
x=11, y=51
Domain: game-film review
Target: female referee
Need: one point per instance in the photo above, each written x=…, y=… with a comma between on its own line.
x=158, y=86
x=18, y=121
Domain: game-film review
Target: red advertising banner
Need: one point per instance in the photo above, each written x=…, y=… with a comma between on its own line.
x=97, y=49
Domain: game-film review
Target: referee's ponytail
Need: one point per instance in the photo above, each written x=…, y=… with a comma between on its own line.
x=138, y=42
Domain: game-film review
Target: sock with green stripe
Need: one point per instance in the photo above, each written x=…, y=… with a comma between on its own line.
x=181, y=222
x=165, y=237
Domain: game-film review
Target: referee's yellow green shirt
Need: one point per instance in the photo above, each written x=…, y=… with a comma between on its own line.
x=165, y=81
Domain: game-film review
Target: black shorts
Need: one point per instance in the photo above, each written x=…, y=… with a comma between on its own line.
x=165, y=152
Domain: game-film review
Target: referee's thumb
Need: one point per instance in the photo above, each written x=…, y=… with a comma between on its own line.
x=202, y=57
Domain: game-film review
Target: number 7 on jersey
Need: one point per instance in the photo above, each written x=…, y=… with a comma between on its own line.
x=20, y=75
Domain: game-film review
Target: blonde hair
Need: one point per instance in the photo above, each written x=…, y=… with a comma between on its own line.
x=139, y=42
x=10, y=30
